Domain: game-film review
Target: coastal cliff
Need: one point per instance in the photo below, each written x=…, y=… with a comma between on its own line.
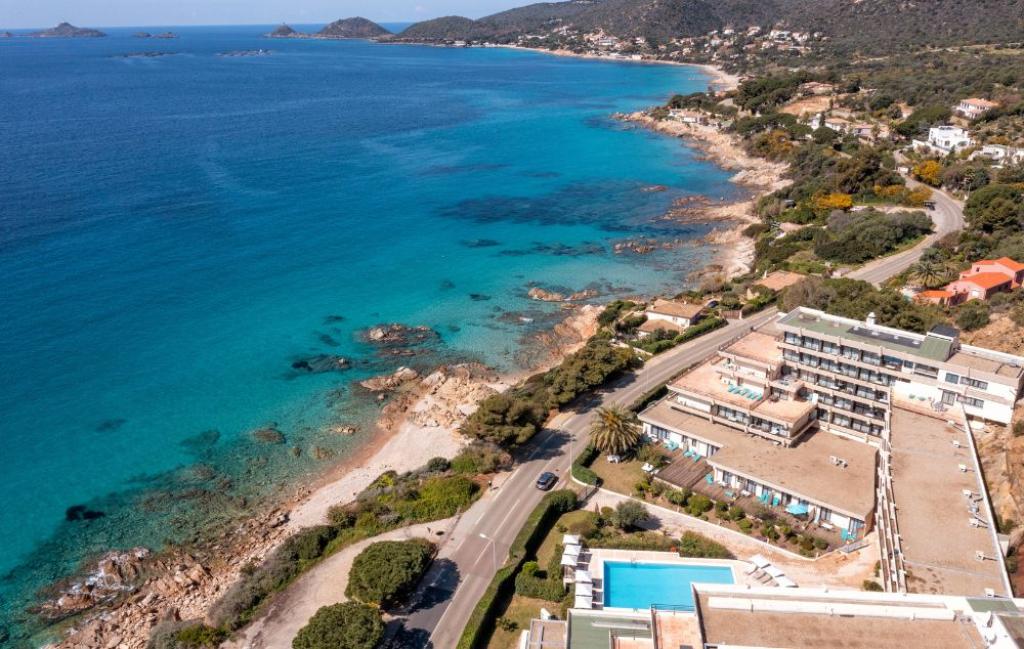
x=67, y=30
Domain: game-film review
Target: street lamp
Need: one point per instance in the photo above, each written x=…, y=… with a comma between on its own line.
x=494, y=551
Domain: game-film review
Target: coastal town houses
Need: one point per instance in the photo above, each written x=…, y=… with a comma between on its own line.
x=944, y=140
x=791, y=415
x=1000, y=154
x=670, y=316
x=980, y=282
x=973, y=107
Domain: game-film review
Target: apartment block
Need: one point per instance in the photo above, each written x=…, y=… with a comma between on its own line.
x=857, y=371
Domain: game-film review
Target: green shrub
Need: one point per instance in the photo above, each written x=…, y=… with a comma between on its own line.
x=698, y=546
x=746, y=525
x=479, y=458
x=677, y=496
x=736, y=513
x=652, y=541
x=585, y=527
x=439, y=497
x=507, y=624
x=697, y=504
x=528, y=584
x=973, y=315
x=308, y=543
x=820, y=543
x=438, y=465
x=581, y=467
x=342, y=626
x=387, y=571
x=629, y=515
x=770, y=532
x=871, y=585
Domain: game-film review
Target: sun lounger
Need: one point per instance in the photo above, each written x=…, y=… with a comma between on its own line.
x=709, y=478
x=774, y=571
x=775, y=501
x=760, y=561
x=785, y=582
x=696, y=456
x=687, y=453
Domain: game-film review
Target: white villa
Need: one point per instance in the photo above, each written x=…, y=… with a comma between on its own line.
x=945, y=140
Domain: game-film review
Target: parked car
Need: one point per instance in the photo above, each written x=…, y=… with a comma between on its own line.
x=546, y=481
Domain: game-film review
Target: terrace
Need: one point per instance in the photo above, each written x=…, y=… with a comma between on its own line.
x=945, y=526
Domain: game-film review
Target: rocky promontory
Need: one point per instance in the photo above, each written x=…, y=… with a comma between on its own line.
x=67, y=30
x=284, y=31
x=357, y=27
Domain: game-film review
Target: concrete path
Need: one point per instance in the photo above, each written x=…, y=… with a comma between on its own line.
x=322, y=585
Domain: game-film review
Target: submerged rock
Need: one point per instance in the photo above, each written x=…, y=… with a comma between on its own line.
x=322, y=363
x=77, y=513
x=537, y=293
x=268, y=435
x=397, y=334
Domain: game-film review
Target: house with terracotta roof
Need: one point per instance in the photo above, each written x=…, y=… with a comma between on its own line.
x=985, y=278
x=973, y=107
x=775, y=281
x=671, y=316
x=942, y=297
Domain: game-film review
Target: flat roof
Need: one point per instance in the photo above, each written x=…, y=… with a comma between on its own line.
x=932, y=347
x=779, y=280
x=757, y=346
x=587, y=631
x=939, y=545
x=804, y=470
x=745, y=628
x=704, y=381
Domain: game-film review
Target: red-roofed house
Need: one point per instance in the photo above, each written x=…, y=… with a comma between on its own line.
x=940, y=297
x=984, y=278
x=973, y=108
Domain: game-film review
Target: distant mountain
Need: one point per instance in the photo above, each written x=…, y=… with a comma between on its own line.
x=352, y=28
x=283, y=31
x=851, y=25
x=67, y=30
x=451, y=28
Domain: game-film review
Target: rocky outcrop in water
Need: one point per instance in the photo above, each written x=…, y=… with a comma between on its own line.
x=115, y=574
x=390, y=382
x=67, y=30
x=283, y=31
x=542, y=295
x=400, y=335
x=268, y=435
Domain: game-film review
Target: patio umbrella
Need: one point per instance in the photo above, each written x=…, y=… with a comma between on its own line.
x=583, y=577
x=759, y=561
x=585, y=590
x=571, y=551
x=569, y=562
x=797, y=508
x=571, y=539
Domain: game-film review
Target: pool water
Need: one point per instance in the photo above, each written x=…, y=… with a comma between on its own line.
x=641, y=585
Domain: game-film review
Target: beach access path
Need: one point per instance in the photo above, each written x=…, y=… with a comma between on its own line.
x=454, y=586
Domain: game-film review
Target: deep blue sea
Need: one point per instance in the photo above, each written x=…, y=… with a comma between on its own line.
x=177, y=230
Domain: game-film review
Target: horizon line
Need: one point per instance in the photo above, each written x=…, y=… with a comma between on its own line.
x=259, y=24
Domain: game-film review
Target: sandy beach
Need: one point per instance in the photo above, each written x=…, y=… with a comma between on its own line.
x=420, y=421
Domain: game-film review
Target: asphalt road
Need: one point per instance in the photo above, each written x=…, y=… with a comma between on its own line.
x=481, y=542
x=948, y=216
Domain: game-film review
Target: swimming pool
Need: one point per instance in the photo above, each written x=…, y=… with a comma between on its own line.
x=641, y=585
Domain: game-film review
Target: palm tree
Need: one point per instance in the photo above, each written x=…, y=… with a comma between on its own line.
x=614, y=430
x=928, y=273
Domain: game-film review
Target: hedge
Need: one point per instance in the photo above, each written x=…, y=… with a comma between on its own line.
x=581, y=467
x=482, y=621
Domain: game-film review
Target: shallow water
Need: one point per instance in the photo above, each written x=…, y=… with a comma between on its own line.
x=178, y=230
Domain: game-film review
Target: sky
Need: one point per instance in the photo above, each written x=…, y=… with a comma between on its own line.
x=18, y=14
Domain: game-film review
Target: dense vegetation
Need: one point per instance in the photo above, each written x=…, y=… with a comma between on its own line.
x=341, y=626
x=513, y=417
x=387, y=571
x=431, y=493
x=894, y=25
x=856, y=299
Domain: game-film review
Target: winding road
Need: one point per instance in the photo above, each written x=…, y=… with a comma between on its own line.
x=481, y=540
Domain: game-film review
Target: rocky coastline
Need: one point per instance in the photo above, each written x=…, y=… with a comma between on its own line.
x=125, y=594
x=736, y=250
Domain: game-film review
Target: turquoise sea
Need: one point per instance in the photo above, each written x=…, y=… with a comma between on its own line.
x=176, y=231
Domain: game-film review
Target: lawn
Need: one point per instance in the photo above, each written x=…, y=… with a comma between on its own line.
x=620, y=477
x=520, y=610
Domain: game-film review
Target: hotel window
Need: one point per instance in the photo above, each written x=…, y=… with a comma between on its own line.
x=830, y=348
x=871, y=359
x=851, y=353
x=971, y=401
x=974, y=383
x=892, y=362
x=948, y=398
x=792, y=339
x=952, y=378
x=927, y=370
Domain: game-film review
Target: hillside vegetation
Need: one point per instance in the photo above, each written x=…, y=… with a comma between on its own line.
x=862, y=26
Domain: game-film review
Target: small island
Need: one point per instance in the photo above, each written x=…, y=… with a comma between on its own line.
x=67, y=30
x=346, y=28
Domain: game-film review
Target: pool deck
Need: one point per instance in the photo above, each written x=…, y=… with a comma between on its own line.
x=599, y=556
